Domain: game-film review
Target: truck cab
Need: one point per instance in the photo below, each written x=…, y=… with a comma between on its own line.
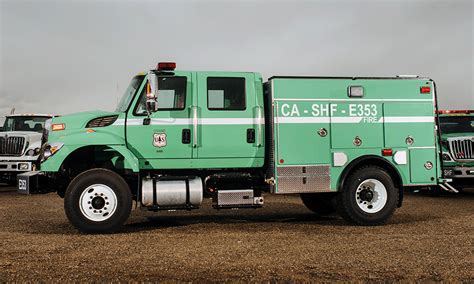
x=457, y=140
x=346, y=143
x=20, y=144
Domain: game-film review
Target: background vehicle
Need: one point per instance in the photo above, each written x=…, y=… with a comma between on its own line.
x=457, y=134
x=20, y=144
x=346, y=144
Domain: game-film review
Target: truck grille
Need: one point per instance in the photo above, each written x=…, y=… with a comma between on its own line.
x=462, y=149
x=11, y=146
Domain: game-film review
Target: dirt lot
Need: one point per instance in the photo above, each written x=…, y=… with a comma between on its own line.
x=428, y=239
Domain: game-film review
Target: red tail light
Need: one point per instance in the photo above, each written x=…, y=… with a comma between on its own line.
x=387, y=152
x=425, y=90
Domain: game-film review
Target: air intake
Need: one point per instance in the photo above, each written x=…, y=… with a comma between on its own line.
x=102, y=121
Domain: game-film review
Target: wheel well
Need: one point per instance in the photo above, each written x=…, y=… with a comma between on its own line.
x=376, y=161
x=89, y=157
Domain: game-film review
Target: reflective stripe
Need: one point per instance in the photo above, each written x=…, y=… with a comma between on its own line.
x=355, y=119
x=250, y=121
x=302, y=119
x=187, y=121
x=402, y=119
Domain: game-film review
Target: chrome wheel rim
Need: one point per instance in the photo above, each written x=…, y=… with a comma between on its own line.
x=371, y=196
x=98, y=202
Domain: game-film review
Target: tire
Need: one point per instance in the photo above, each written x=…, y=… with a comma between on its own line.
x=98, y=201
x=368, y=197
x=319, y=203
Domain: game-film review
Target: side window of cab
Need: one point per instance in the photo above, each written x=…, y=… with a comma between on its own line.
x=226, y=93
x=171, y=95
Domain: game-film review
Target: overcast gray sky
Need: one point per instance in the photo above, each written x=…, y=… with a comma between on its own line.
x=68, y=56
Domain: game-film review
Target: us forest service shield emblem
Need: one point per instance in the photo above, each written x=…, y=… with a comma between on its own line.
x=159, y=140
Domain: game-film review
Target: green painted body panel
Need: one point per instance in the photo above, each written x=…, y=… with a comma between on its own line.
x=390, y=111
x=403, y=170
x=140, y=137
x=418, y=172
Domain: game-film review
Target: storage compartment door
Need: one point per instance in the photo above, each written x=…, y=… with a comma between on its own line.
x=420, y=169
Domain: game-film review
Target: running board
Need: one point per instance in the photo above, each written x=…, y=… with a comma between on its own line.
x=449, y=188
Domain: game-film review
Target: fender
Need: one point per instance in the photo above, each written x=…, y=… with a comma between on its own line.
x=377, y=160
x=76, y=139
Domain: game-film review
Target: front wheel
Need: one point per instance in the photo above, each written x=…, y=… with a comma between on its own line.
x=98, y=201
x=368, y=197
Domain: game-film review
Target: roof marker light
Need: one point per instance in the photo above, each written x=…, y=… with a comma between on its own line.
x=166, y=66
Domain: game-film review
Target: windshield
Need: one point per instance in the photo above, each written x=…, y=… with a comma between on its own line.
x=457, y=124
x=129, y=93
x=24, y=123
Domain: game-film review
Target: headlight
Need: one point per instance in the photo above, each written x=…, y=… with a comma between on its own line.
x=33, y=152
x=50, y=149
x=23, y=166
x=446, y=157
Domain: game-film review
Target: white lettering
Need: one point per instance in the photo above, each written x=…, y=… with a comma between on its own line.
x=295, y=110
x=333, y=109
x=352, y=110
x=324, y=110
x=315, y=111
x=285, y=110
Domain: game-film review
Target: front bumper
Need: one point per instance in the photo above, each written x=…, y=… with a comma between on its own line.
x=458, y=172
x=32, y=183
x=16, y=166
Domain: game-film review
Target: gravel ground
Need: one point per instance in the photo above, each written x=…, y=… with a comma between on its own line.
x=429, y=238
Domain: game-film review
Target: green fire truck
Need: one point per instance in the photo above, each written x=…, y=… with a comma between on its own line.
x=457, y=140
x=345, y=144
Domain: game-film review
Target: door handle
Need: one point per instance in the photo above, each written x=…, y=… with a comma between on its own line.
x=250, y=135
x=186, y=136
x=194, y=109
x=259, y=126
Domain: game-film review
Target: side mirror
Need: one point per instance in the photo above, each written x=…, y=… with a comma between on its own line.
x=151, y=90
x=151, y=104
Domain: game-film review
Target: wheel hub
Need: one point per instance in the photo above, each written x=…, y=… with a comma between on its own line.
x=98, y=202
x=366, y=195
x=371, y=196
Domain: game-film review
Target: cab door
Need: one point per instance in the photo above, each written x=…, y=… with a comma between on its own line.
x=228, y=118
x=167, y=134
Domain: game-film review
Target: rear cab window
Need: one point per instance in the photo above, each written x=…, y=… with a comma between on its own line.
x=226, y=93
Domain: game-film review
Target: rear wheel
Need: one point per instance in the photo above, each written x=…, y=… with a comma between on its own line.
x=368, y=197
x=319, y=203
x=98, y=201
